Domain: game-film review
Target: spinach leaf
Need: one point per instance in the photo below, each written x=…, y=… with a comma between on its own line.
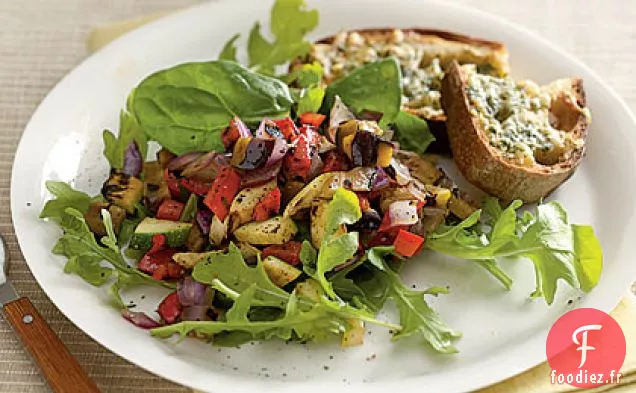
x=186, y=107
x=412, y=133
x=375, y=87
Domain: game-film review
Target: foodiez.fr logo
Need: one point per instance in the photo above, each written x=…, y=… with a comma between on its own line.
x=585, y=348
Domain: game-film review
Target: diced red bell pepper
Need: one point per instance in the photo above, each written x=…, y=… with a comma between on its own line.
x=170, y=210
x=313, y=137
x=363, y=201
x=335, y=161
x=297, y=162
x=177, y=191
x=407, y=244
x=224, y=188
x=288, y=128
x=288, y=252
x=312, y=119
x=382, y=239
x=230, y=135
x=268, y=206
x=170, y=309
x=195, y=186
x=158, y=261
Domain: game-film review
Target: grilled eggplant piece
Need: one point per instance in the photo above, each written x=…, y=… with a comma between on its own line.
x=123, y=190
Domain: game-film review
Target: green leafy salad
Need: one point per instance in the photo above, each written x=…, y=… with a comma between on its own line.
x=278, y=207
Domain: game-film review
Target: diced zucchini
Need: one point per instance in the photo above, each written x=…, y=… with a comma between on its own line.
x=155, y=185
x=309, y=289
x=318, y=222
x=248, y=251
x=243, y=205
x=123, y=190
x=460, y=208
x=196, y=241
x=281, y=273
x=190, y=259
x=94, y=220
x=276, y=230
x=176, y=233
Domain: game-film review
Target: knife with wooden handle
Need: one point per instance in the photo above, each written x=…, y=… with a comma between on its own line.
x=58, y=366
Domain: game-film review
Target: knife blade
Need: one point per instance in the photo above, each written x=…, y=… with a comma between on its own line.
x=7, y=292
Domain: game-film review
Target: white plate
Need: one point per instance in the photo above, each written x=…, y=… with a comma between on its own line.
x=504, y=333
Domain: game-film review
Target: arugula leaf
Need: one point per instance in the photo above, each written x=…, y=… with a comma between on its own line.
x=332, y=253
x=412, y=132
x=416, y=316
x=85, y=255
x=308, y=256
x=65, y=197
x=558, y=250
x=129, y=131
x=336, y=249
x=374, y=87
x=310, y=99
x=230, y=268
x=290, y=22
x=344, y=209
x=186, y=107
x=229, y=49
x=377, y=255
x=302, y=320
x=307, y=76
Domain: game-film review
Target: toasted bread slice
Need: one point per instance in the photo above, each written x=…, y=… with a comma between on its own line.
x=423, y=55
x=512, y=150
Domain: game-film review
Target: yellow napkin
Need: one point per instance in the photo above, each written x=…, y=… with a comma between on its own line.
x=535, y=380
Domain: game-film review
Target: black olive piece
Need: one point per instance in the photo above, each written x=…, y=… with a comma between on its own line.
x=364, y=149
x=369, y=221
x=257, y=153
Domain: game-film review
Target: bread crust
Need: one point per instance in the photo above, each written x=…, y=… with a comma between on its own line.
x=436, y=122
x=486, y=167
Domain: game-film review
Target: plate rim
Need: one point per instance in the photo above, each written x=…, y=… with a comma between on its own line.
x=497, y=374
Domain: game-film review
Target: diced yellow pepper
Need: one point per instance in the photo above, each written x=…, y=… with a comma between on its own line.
x=347, y=142
x=354, y=335
x=240, y=148
x=442, y=197
x=385, y=153
x=347, y=128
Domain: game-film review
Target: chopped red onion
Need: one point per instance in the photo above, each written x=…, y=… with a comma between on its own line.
x=382, y=180
x=193, y=293
x=204, y=219
x=316, y=167
x=267, y=125
x=243, y=130
x=402, y=174
x=278, y=152
x=205, y=167
x=261, y=175
x=183, y=160
x=195, y=313
x=132, y=160
x=403, y=213
x=140, y=319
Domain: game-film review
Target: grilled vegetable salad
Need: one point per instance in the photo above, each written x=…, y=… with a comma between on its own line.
x=282, y=210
